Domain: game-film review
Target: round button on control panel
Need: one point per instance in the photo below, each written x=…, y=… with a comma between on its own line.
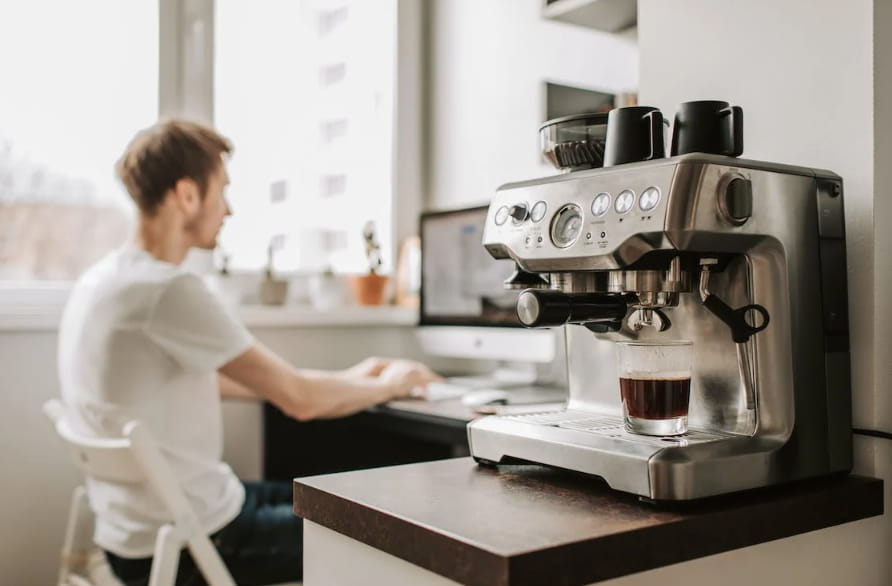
x=538, y=211
x=649, y=199
x=501, y=215
x=624, y=201
x=601, y=204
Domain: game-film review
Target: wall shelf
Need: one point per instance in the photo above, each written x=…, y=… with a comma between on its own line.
x=605, y=15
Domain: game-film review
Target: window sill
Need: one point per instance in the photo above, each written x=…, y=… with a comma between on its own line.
x=32, y=305
x=36, y=318
x=265, y=316
x=30, y=318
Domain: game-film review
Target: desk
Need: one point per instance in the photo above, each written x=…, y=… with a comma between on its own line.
x=399, y=432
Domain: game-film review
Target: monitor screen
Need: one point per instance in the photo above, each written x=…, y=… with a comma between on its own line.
x=461, y=284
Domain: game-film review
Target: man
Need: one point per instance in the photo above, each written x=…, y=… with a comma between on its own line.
x=142, y=338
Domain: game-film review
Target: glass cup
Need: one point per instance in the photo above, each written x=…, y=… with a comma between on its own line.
x=655, y=385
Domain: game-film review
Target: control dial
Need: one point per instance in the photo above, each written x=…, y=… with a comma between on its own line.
x=735, y=201
x=519, y=212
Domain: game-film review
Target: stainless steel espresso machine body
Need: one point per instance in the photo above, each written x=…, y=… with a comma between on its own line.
x=744, y=258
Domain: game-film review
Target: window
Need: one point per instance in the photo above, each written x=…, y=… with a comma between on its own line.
x=304, y=88
x=78, y=78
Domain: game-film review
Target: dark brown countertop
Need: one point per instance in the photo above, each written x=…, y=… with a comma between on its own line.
x=531, y=525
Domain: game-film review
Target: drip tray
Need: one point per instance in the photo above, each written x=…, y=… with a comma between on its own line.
x=612, y=427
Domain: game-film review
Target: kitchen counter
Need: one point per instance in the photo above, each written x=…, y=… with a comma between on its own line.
x=531, y=525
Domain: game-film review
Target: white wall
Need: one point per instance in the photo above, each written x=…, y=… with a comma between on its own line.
x=487, y=67
x=813, y=78
x=37, y=476
x=801, y=70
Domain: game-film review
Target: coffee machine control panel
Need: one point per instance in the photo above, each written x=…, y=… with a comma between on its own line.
x=559, y=222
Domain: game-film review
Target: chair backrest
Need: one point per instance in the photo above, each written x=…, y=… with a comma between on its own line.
x=133, y=458
x=108, y=459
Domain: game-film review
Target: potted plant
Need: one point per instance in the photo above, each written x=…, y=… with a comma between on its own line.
x=370, y=288
x=273, y=291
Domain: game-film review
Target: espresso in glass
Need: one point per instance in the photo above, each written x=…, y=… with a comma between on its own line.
x=656, y=398
x=655, y=386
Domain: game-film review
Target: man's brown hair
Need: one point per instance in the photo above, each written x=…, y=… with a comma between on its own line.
x=162, y=154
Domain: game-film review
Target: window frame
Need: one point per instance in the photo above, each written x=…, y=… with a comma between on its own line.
x=185, y=88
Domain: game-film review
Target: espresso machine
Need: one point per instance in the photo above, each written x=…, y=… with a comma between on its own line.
x=744, y=258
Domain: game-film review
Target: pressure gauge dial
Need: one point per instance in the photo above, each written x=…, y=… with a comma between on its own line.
x=566, y=225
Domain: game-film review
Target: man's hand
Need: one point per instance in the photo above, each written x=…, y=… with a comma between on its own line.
x=408, y=378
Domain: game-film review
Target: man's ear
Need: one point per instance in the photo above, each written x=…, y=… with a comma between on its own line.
x=187, y=196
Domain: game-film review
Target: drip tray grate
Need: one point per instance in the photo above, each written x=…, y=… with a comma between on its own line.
x=612, y=427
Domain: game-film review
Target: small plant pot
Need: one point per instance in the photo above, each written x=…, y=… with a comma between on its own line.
x=273, y=291
x=370, y=289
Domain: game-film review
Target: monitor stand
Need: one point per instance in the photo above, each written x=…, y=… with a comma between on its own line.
x=507, y=374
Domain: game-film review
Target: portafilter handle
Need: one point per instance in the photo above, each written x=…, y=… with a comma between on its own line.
x=542, y=308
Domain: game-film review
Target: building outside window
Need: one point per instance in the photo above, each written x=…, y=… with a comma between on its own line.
x=305, y=90
x=77, y=78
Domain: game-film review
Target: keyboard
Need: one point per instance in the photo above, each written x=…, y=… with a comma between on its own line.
x=458, y=387
x=440, y=391
x=453, y=387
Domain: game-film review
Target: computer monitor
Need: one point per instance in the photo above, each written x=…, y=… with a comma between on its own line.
x=465, y=311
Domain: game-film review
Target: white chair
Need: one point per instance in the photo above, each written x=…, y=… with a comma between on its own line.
x=133, y=459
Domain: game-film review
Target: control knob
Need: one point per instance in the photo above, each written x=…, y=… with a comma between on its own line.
x=736, y=202
x=519, y=212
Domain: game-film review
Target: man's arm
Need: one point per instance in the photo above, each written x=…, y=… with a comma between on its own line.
x=230, y=389
x=310, y=394
x=372, y=366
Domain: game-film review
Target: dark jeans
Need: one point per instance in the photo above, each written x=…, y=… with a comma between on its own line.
x=263, y=545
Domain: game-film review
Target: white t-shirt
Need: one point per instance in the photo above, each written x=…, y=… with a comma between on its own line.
x=143, y=339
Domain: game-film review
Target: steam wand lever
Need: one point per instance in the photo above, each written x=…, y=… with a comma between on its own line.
x=741, y=330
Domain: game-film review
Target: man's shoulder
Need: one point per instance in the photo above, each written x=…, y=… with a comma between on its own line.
x=128, y=280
